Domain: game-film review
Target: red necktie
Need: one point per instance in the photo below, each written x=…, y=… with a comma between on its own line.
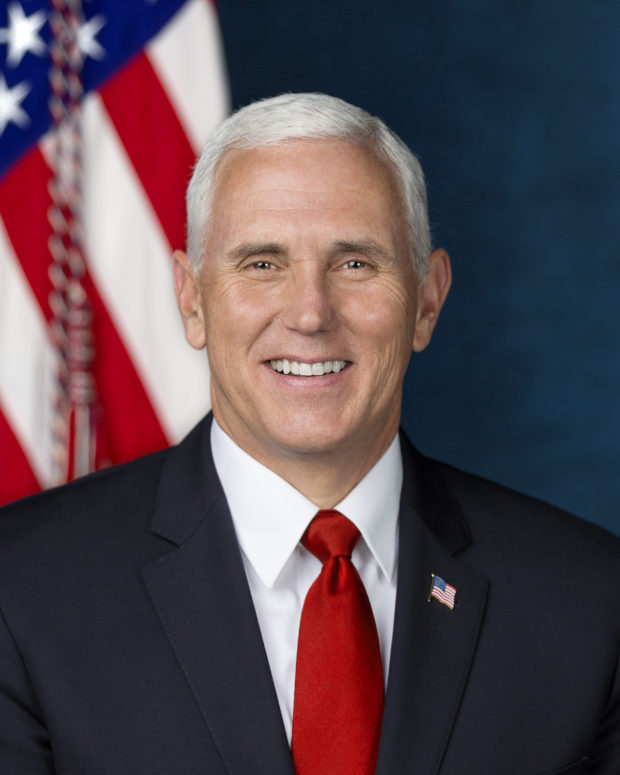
x=338, y=682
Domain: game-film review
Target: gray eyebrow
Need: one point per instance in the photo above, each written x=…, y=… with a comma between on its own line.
x=365, y=246
x=246, y=249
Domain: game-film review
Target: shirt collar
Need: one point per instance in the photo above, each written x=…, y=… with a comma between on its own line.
x=270, y=516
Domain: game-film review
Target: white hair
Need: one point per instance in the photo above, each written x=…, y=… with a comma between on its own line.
x=312, y=117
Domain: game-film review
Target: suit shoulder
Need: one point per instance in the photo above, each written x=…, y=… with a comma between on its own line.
x=504, y=517
x=112, y=493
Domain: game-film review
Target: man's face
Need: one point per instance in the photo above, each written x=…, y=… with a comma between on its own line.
x=306, y=300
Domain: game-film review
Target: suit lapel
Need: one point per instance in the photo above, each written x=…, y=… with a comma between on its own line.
x=432, y=646
x=198, y=584
x=202, y=598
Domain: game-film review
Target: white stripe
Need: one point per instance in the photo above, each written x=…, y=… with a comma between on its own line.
x=128, y=256
x=27, y=375
x=188, y=59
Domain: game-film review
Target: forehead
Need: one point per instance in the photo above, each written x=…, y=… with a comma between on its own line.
x=314, y=173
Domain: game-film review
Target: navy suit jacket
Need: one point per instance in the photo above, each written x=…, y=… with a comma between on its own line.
x=129, y=644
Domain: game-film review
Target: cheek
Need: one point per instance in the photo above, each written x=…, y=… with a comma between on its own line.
x=384, y=319
x=227, y=306
x=245, y=301
x=234, y=322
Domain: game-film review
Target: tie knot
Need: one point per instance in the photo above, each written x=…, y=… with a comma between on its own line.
x=330, y=534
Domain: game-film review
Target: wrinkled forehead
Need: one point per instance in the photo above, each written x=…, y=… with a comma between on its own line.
x=314, y=183
x=305, y=194
x=360, y=158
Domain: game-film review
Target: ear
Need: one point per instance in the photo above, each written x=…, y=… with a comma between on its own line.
x=188, y=299
x=431, y=296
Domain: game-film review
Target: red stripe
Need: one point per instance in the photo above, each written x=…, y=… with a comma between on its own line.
x=24, y=202
x=155, y=141
x=443, y=598
x=129, y=424
x=17, y=478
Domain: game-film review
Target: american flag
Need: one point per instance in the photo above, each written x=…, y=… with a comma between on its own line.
x=103, y=107
x=442, y=591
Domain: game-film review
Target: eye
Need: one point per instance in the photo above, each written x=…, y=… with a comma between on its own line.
x=355, y=269
x=356, y=265
x=260, y=265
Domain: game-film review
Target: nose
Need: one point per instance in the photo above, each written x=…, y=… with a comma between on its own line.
x=308, y=306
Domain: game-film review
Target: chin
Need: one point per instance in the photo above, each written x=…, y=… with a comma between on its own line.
x=314, y=438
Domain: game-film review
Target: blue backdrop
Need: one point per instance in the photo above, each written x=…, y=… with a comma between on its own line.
x=513, y=107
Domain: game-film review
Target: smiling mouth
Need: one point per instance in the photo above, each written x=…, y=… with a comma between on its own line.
x=301, y=369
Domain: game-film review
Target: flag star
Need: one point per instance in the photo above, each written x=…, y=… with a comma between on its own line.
x=22, y=34
x=86, y=37
x=10, y=100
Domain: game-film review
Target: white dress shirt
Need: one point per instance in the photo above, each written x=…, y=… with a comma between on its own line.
x=270, y=517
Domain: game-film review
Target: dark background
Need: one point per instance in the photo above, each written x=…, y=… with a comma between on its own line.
x=513, y=107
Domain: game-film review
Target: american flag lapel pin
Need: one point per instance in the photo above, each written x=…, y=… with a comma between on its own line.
x=442, y=591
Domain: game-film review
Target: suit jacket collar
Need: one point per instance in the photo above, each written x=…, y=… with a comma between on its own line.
x=427, y=494
x=202, y=597
x=188, y=487
x=432, y=646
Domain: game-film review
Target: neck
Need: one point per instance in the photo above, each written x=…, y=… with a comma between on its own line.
x=324, y=477
x=323, y=481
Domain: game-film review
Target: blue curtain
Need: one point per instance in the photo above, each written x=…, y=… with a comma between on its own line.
x=513, y=107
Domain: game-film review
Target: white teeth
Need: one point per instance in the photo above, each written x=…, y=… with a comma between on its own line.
x=301, y=369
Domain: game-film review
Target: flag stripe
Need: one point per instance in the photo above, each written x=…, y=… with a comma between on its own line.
x=17, y=475
x=125, y=405
x=200, y=102
x=133, y=272
x=24, y=202
x=163, y=159
x=27, y=364
x=113, y=367
x=147, y=117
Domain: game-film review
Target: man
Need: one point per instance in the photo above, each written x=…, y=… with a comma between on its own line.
x=187, y=613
